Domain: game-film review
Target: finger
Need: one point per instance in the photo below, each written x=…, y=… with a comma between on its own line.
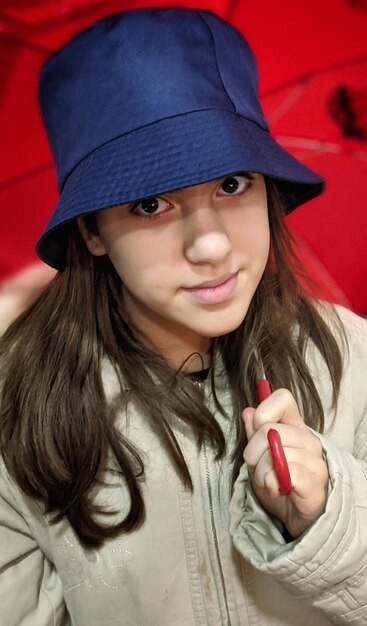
x=248, y=419
x=276, y=461
x=309, y=474
x=292, y=437
x=279, y=462
x=263, y=389
x=280, y=407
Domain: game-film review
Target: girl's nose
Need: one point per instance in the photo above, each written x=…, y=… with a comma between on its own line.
x=206, y=238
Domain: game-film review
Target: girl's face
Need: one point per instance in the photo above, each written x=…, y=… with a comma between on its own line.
x=190, y=260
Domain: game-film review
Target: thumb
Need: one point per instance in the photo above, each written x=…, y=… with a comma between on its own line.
x=248, y=419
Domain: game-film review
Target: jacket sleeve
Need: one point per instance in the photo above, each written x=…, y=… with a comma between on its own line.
x=327, y=566
x=30, y=589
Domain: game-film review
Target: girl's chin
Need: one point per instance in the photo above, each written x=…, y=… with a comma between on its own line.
x=220, y=329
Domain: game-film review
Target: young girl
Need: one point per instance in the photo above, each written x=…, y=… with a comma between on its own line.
x=137, y=483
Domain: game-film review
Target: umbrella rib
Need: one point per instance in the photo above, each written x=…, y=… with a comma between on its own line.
x=232, y=5
x=318, y=145
x=312, y=74
x=25, y=176
x=287, y=103
x=44, y=26
x=24, y=43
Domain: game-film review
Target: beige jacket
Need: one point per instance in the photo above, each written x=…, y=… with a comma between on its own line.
x=203, y=558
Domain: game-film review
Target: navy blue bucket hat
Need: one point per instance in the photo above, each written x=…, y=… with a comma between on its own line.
x=149, y=101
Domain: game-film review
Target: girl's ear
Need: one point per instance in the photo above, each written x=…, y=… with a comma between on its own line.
x=91, y=238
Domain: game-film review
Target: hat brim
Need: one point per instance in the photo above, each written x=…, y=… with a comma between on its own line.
x=170, y=154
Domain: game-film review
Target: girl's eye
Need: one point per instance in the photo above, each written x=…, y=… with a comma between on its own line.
x=235, y=184
x=150, y=207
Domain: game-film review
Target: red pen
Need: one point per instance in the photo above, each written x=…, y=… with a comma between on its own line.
x=275, y=444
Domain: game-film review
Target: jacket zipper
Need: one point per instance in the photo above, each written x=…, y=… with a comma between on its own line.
x=215, y=536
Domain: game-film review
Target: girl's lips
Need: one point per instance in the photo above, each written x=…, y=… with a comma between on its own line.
x=214, y=292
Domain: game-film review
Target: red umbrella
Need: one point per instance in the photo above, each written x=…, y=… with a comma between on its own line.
x=313, y=82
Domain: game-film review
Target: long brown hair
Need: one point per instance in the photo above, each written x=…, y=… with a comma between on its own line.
x=54, y=414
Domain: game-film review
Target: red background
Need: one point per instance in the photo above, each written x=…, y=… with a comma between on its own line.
x=305, y=50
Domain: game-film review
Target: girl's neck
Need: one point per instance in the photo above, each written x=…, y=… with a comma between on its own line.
x=190, y=353
x=188, y=358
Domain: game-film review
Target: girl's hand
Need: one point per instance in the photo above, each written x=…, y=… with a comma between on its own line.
x=303, y=451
